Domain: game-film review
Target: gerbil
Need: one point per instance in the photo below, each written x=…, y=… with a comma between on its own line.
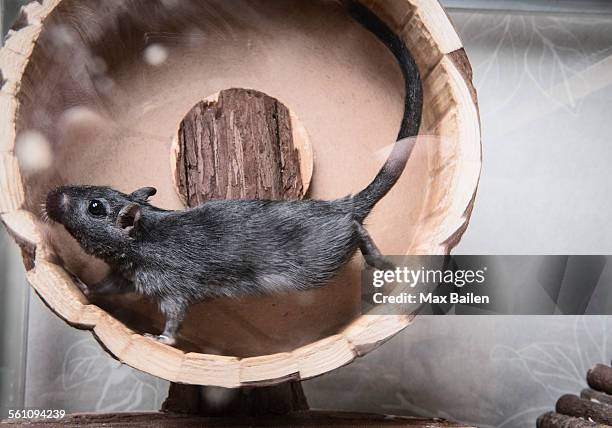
x=233, y=247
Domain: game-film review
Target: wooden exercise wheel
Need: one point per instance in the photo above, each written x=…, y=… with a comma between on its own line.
x=101, y=87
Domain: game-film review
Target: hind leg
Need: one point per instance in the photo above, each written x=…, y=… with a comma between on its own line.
x=174, y=311
x=370, y=251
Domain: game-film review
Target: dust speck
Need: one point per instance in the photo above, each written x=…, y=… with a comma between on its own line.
x=155, y=54
x=98, y=66
x=80, y=116
x=33, y=151
x=218, y=397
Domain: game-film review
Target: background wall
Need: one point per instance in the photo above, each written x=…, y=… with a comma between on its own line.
x=544, y=86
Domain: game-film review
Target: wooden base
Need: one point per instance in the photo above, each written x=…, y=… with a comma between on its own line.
x=297, y=419
x=274, y=400
x=205, y=406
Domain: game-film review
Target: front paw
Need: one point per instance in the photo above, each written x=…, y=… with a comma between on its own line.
x=166, y=340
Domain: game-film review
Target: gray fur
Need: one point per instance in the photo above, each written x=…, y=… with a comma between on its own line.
x=221, y=248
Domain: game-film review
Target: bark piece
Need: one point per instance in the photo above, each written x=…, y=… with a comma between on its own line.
x=555, y=420
x=239, y=146
x=590, y=394
x=600, y=378
x=572, y=405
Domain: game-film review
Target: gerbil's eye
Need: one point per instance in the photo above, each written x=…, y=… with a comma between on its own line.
x=96, y=208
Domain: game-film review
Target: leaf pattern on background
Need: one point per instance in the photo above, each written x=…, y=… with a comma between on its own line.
x=558, y=367
x=541, y=55
x=547, y=364
x=82, y=363
x=86, y=365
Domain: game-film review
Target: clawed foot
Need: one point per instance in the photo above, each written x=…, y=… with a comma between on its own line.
x=166, y=340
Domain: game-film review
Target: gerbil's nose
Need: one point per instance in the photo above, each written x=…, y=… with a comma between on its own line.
x=56, y=203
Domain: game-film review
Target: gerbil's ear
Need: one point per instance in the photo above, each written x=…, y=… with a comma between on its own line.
x=143, y=194
x=129, y=219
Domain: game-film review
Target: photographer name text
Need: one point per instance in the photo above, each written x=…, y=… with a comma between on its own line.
x=423, y=277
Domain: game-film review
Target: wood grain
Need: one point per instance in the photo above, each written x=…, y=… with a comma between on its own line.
x=239, y=146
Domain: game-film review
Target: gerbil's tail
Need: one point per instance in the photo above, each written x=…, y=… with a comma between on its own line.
x=364, y=201
x=413, y=103
x=391, y=171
